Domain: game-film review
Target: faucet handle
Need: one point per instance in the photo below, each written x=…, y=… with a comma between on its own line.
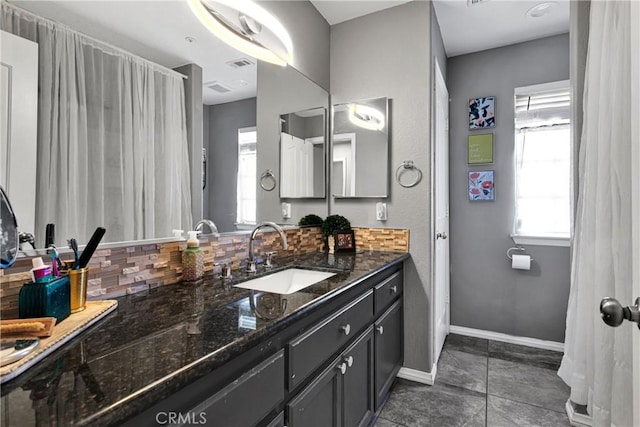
x=268, y=259
x=251, y=266
x=225, y=272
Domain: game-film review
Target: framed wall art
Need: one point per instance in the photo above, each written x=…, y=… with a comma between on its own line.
x=480, y=149
x=481, y=186
x=482, y=113
x=345, y=241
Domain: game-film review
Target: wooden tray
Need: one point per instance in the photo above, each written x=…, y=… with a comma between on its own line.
x=69, y=328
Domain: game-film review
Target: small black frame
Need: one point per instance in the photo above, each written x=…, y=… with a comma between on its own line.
x=345, y=241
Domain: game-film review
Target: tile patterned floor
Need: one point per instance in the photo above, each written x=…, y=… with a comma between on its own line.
x=482, y=383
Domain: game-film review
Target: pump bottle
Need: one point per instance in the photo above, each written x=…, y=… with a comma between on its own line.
x=192, y=259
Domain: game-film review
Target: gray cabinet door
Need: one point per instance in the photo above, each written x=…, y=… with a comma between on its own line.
x=389, y=350
x=320, y=403
x=358, y=382
x=248, y=399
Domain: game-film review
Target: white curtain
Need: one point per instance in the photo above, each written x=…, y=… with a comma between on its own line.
x=597, y=362
x=112, y=142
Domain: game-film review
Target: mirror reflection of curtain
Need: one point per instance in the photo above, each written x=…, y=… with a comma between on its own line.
x=112, y=143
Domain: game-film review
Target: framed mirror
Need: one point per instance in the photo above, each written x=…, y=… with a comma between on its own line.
x=360, y=149
x=302, y=154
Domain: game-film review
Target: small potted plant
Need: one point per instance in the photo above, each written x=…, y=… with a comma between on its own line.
x=334, y=223
x=311, y=220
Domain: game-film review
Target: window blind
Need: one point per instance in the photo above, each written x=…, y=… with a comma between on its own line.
x=542, y=109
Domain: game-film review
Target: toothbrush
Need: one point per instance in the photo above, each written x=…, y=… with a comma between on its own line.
x=90, y=248
x=74, y=247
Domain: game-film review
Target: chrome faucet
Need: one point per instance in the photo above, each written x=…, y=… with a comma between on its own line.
x=212, y=227
x=251, y=267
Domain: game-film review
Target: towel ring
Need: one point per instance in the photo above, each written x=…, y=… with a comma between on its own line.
x=408, y=164
x=268, y=174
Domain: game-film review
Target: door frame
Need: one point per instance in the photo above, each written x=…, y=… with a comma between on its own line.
x=635, y=191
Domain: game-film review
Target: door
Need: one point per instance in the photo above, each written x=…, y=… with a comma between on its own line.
x=441, y=210
x=358, y=382
x=388, y=334
x=18, y=126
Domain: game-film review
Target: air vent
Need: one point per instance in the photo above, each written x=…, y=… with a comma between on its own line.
x=475, y=2
x=239, y=63
x=218, y=87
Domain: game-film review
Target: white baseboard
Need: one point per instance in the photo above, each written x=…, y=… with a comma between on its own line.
x=512, y=339
x=576, y=419
x=418, y=376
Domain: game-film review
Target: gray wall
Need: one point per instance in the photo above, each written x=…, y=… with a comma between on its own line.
x=281, y=91
x=310, y=35
x=486, y=293
x=388, y=54
x=437, y=44
x=221, y=123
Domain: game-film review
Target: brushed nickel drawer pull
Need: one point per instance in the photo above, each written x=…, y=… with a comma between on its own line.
x=346, y=329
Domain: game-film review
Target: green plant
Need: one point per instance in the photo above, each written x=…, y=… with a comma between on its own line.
x=311, y=219
x=334, y=223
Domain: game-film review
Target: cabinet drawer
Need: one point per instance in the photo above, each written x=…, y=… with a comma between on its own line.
x=311, y=349
x=248, y=399
x=387, y=291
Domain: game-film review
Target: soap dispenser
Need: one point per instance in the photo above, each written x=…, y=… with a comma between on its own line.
x=192, y=259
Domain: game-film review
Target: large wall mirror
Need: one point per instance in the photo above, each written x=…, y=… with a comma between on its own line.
x=360, y=149
x=302, y=154
x=234, y=134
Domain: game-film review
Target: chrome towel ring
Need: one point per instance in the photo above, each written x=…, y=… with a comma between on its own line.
x=268, y=176
x=408, y=165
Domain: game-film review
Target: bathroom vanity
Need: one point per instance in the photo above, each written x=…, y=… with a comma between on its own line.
x=213, y=353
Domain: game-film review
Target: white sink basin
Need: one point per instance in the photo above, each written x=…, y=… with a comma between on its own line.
x=285, y=281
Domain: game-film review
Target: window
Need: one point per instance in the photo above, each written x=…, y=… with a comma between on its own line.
x=246, y=176
x=543, y=161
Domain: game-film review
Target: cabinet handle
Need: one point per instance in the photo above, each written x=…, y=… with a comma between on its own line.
x=393, y=289
x=346, y=329
x=380, y=329
x=342, y=368
x=348, y=360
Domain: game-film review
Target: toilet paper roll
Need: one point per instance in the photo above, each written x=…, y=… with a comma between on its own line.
x=521, y=262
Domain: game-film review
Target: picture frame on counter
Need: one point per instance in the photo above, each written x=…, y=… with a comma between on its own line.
x=345, y=241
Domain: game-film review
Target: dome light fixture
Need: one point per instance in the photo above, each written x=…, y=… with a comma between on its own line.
x=366, y=117
x=247, y=27
x=541, y=9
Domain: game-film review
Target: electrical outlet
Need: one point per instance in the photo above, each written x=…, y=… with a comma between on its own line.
x=381, y=211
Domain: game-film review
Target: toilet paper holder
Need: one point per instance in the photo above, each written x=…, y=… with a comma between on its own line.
x=515, y=248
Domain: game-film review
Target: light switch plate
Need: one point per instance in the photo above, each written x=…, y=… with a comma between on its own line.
x=286, y=210
x=381, y=211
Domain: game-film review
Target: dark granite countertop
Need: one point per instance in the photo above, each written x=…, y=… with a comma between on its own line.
x=159, y=341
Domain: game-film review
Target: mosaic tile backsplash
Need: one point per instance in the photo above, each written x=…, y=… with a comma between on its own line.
x=130, y=269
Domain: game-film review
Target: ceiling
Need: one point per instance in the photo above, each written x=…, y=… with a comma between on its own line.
x=166, y=32
x=496, y=23
x=335, y=11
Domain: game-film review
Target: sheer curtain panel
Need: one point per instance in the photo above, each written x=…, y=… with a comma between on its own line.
x=112, y=142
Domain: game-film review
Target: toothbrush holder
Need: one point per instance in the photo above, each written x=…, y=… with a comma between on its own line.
x=78, y=288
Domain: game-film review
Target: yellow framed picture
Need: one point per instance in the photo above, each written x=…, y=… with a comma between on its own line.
x=480, y=149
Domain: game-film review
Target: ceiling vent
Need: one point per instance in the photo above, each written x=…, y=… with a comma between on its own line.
x=475, y=2
x=239, y=63
x=218, y=87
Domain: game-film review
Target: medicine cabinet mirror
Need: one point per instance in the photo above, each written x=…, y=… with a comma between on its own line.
x=302, y=154
x=360, y=149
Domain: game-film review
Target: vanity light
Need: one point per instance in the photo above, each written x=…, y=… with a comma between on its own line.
x=245, y=26
x=366, y=117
